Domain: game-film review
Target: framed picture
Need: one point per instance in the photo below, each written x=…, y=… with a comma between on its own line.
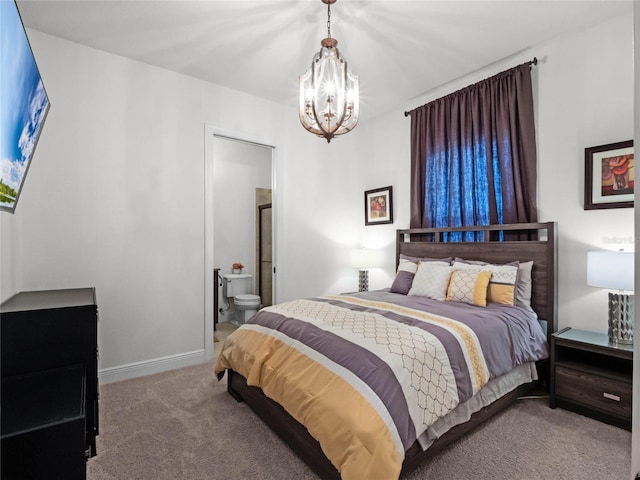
x=609, y=176
x=378, y=206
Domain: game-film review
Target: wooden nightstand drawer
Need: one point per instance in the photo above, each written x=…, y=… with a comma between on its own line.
x=605, y=394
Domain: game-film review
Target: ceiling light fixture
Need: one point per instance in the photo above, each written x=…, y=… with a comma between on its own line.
x=329, y=97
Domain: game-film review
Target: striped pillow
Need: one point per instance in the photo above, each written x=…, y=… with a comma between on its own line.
x=502, y=286
x=469, y=286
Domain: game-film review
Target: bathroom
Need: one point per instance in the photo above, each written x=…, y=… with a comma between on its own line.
x=242, y=182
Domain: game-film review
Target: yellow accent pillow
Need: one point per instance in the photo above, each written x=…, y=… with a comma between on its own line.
x=469, y=286
x=500, y=293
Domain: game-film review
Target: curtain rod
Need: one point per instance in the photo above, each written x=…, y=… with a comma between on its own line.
x=530, y=62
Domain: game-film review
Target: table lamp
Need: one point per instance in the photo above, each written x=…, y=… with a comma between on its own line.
x=363, y=259
x=615, y=270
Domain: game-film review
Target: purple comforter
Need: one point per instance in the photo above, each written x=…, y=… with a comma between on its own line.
x=406, y=360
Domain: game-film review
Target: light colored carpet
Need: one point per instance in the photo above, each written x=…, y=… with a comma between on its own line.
x=182, y=425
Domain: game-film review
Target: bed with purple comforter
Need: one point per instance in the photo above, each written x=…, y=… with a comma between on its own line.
x=368, y=374
x=370, y=385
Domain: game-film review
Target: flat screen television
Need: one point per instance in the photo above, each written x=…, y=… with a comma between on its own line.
x=24, y=105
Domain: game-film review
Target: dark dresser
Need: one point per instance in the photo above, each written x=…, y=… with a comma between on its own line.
x=49, y=369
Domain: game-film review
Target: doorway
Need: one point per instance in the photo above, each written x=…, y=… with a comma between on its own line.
x=238, y=227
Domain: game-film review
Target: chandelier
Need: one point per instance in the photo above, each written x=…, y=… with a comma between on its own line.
x=329, y=103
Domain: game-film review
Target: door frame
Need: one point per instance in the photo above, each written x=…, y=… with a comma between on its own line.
x=261, y=208
x=210, y=132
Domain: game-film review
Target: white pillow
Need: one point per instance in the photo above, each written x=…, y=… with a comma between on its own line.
x=431, y=280
x=407, y=266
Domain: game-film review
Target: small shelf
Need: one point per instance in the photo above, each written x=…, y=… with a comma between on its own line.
x=599, y=370
x=42, y=399
x=43, y=425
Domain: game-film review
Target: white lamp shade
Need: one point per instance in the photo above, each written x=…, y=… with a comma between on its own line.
x=363, y=258
x=608, y=269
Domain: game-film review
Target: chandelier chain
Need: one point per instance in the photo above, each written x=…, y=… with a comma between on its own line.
x=329, y=20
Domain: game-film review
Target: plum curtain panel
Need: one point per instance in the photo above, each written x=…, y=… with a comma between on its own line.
x=473, y=155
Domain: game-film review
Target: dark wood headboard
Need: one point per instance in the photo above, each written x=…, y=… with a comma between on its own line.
x=534, y=241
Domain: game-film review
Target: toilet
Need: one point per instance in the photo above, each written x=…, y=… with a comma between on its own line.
x=236, y=288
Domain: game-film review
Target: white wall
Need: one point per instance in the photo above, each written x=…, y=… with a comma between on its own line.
x=583, y=106
x=8, y=256
x=325, y=220
x=322, y=208
x=115, y=194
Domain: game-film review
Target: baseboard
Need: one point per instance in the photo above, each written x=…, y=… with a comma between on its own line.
x=148, y=367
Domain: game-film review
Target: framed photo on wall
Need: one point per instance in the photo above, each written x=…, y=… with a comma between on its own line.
x=609, y=176
x=378, y=206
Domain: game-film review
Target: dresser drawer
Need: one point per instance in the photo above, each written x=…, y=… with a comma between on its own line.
x=595, y=391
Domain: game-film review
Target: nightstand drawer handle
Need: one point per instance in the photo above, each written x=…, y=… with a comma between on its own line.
x=611, y=396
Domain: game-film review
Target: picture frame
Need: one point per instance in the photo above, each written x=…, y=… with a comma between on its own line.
x=609, y=176
x=378, y=206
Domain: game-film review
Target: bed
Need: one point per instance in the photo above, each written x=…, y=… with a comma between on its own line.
x=369, y=385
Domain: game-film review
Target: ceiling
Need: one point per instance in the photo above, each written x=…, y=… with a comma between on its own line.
x=400, y=49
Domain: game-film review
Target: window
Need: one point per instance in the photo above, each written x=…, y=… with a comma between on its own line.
x=473, y=155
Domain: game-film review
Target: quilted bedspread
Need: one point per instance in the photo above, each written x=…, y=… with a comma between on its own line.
x=367, y=374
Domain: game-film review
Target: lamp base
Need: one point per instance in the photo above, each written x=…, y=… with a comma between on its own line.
x=621, y=318
x=363, y=281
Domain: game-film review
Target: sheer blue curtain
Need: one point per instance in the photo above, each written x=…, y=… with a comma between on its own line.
x=473, y=155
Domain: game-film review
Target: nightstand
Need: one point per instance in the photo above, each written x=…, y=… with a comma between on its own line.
x=591, y=376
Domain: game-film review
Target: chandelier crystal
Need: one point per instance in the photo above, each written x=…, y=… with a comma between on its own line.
x=329, y=92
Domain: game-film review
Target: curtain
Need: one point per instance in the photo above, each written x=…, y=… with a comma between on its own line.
x=473, y=155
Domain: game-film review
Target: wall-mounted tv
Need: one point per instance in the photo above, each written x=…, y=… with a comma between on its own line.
x=24, y=105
